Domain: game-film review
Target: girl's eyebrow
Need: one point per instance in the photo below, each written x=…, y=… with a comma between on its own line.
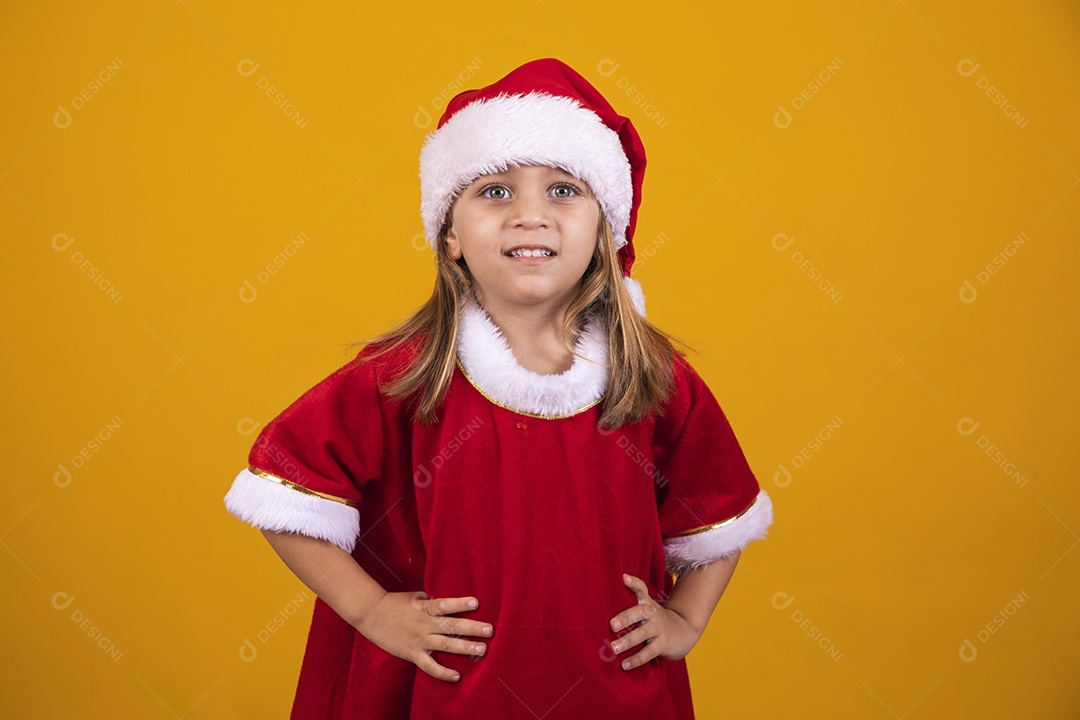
x=502, y=176
x=560, y=171
x=547, y=168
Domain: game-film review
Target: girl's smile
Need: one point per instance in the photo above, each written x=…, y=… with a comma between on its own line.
x=527, y=253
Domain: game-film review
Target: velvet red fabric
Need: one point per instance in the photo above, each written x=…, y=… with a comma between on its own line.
x=537, y=518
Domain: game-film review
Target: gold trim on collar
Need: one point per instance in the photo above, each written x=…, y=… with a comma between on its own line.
x=714, y=526
x=522, y=412
x=300, y=488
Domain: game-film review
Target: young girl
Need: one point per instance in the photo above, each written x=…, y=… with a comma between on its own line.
x=493, y=500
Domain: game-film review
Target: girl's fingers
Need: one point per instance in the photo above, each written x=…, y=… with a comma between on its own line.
x=473, y=627
x=456, y=645
x=647, y=653
x=441, y=608
x=458, y=627
x=448, y=606
x=632, y=639
x=629, y=617
x=435, y=670
x=644, y=633
x=640, y=612
x=636, y=584
x=639, y=588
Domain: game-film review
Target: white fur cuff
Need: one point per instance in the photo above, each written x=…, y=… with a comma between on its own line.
x=271, y=506
x=687, y=552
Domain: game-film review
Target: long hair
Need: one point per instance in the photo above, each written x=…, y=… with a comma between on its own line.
x=640, y=355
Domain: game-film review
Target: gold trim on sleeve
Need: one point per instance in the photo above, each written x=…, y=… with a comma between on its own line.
x=300, y=488
x=714, y=526
x=522, y=412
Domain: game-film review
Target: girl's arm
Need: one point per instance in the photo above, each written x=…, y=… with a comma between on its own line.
x=408, y=625
x=697, y=592
x=330, y=572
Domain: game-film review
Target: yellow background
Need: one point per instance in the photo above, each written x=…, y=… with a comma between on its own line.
x=897, y=541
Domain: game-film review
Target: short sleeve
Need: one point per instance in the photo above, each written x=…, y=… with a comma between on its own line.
x=710, y=503
x=309, y=465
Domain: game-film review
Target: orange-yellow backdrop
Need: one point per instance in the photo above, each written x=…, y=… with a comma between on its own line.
x=863, y=218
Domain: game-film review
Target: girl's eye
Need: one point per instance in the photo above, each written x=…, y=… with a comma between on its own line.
x=495, y=192
x=564, y=191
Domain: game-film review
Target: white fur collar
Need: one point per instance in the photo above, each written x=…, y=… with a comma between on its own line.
x=490, y=365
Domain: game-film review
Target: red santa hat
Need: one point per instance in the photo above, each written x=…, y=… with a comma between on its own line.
x=542, y=113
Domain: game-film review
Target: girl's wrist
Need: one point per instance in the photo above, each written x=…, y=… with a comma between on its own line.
x=694, y=623
x=360, y=614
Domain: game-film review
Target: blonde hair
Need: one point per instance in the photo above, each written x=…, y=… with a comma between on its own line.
x=640, y=355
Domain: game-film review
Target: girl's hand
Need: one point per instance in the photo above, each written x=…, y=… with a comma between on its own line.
x=665, y=632
x=410, y=625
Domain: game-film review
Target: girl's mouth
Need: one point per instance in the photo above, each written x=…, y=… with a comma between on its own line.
x=530, y=252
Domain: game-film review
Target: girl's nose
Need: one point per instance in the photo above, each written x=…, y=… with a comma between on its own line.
x=531, y=210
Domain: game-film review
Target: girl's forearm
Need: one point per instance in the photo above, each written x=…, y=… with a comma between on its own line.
x=330, y=572
x=697, y=591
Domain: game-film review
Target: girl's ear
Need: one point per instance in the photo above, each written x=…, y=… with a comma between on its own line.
x=453, y=246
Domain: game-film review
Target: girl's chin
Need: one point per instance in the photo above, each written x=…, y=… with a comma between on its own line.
x=533, y=293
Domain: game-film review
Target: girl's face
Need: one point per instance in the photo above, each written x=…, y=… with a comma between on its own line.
x=527, y=234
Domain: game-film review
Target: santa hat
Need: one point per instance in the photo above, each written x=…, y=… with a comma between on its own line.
x=542, y=113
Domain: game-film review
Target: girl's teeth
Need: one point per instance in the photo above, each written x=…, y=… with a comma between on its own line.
x=530, y=253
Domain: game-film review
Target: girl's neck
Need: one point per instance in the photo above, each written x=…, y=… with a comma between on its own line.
x=534, y=333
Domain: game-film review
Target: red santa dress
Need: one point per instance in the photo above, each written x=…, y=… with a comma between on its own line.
x=514, y=497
